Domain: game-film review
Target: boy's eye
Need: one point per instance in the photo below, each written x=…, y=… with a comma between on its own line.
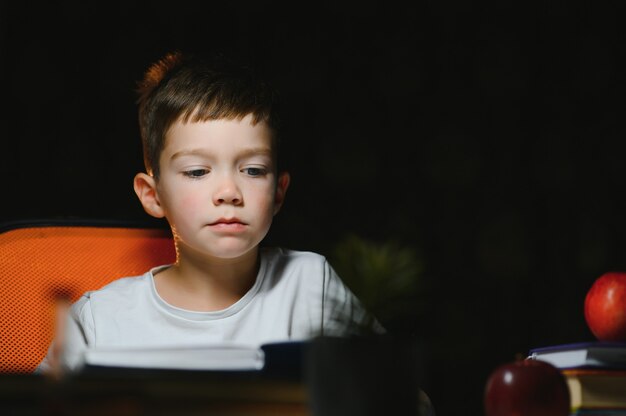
x=253, y=171
x=195, y=173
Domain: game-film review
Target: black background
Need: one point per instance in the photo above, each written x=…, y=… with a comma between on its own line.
x=488, y=136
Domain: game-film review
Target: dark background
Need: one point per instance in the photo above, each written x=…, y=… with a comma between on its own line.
x=488, y=137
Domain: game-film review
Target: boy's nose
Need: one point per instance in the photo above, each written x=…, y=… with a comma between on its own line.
x=227, y=193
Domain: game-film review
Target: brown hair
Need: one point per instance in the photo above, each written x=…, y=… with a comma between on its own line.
x=192, y=88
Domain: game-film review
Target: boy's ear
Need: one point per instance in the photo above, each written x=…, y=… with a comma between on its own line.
x=281, y=189
x=145, y=188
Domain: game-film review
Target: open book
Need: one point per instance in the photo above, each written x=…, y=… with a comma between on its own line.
x=210, y=357
x=284, y=357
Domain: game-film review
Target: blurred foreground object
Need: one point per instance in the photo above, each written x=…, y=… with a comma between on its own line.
x=322, y=377
x=365, y=377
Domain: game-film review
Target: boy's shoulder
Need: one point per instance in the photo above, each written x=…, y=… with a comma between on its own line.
x=287, y=265
x=282, y=254
x=122, y=287
x=123, y=292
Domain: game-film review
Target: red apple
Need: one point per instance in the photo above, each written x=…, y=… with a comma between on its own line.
x=526, y=388
x=605, y=307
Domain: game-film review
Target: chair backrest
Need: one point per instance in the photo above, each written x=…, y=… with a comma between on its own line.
x=39, y=261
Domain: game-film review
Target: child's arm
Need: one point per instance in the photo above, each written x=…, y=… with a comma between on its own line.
x=71, y=339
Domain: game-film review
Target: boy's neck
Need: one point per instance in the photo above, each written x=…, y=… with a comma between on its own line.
x=207, y=285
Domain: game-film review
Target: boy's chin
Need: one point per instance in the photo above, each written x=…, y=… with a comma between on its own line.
x=232, y=251
x=222, y=248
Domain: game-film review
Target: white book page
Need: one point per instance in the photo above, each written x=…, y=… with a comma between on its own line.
x=210, y=357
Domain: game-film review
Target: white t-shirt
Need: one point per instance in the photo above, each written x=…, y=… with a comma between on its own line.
x=296, y=296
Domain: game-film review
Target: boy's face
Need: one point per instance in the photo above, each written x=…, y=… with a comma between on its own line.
x=218, y=187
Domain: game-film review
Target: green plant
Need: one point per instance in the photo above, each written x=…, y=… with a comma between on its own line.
x=385, y=276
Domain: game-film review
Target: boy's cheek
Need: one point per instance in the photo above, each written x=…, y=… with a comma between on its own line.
x=189, y=204
x=184, y=214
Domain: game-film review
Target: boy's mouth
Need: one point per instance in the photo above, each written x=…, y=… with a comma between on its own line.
x=228, y=225
x=227, y=221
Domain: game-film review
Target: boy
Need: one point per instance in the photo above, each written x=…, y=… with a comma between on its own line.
x=209, y=133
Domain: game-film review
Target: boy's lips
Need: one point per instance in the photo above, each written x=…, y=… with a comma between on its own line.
x=227, y=221
x=228, y=225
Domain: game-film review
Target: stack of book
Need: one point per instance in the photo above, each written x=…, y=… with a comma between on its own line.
x=595, y=373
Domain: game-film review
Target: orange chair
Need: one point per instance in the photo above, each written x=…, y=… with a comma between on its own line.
x=42, y=260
